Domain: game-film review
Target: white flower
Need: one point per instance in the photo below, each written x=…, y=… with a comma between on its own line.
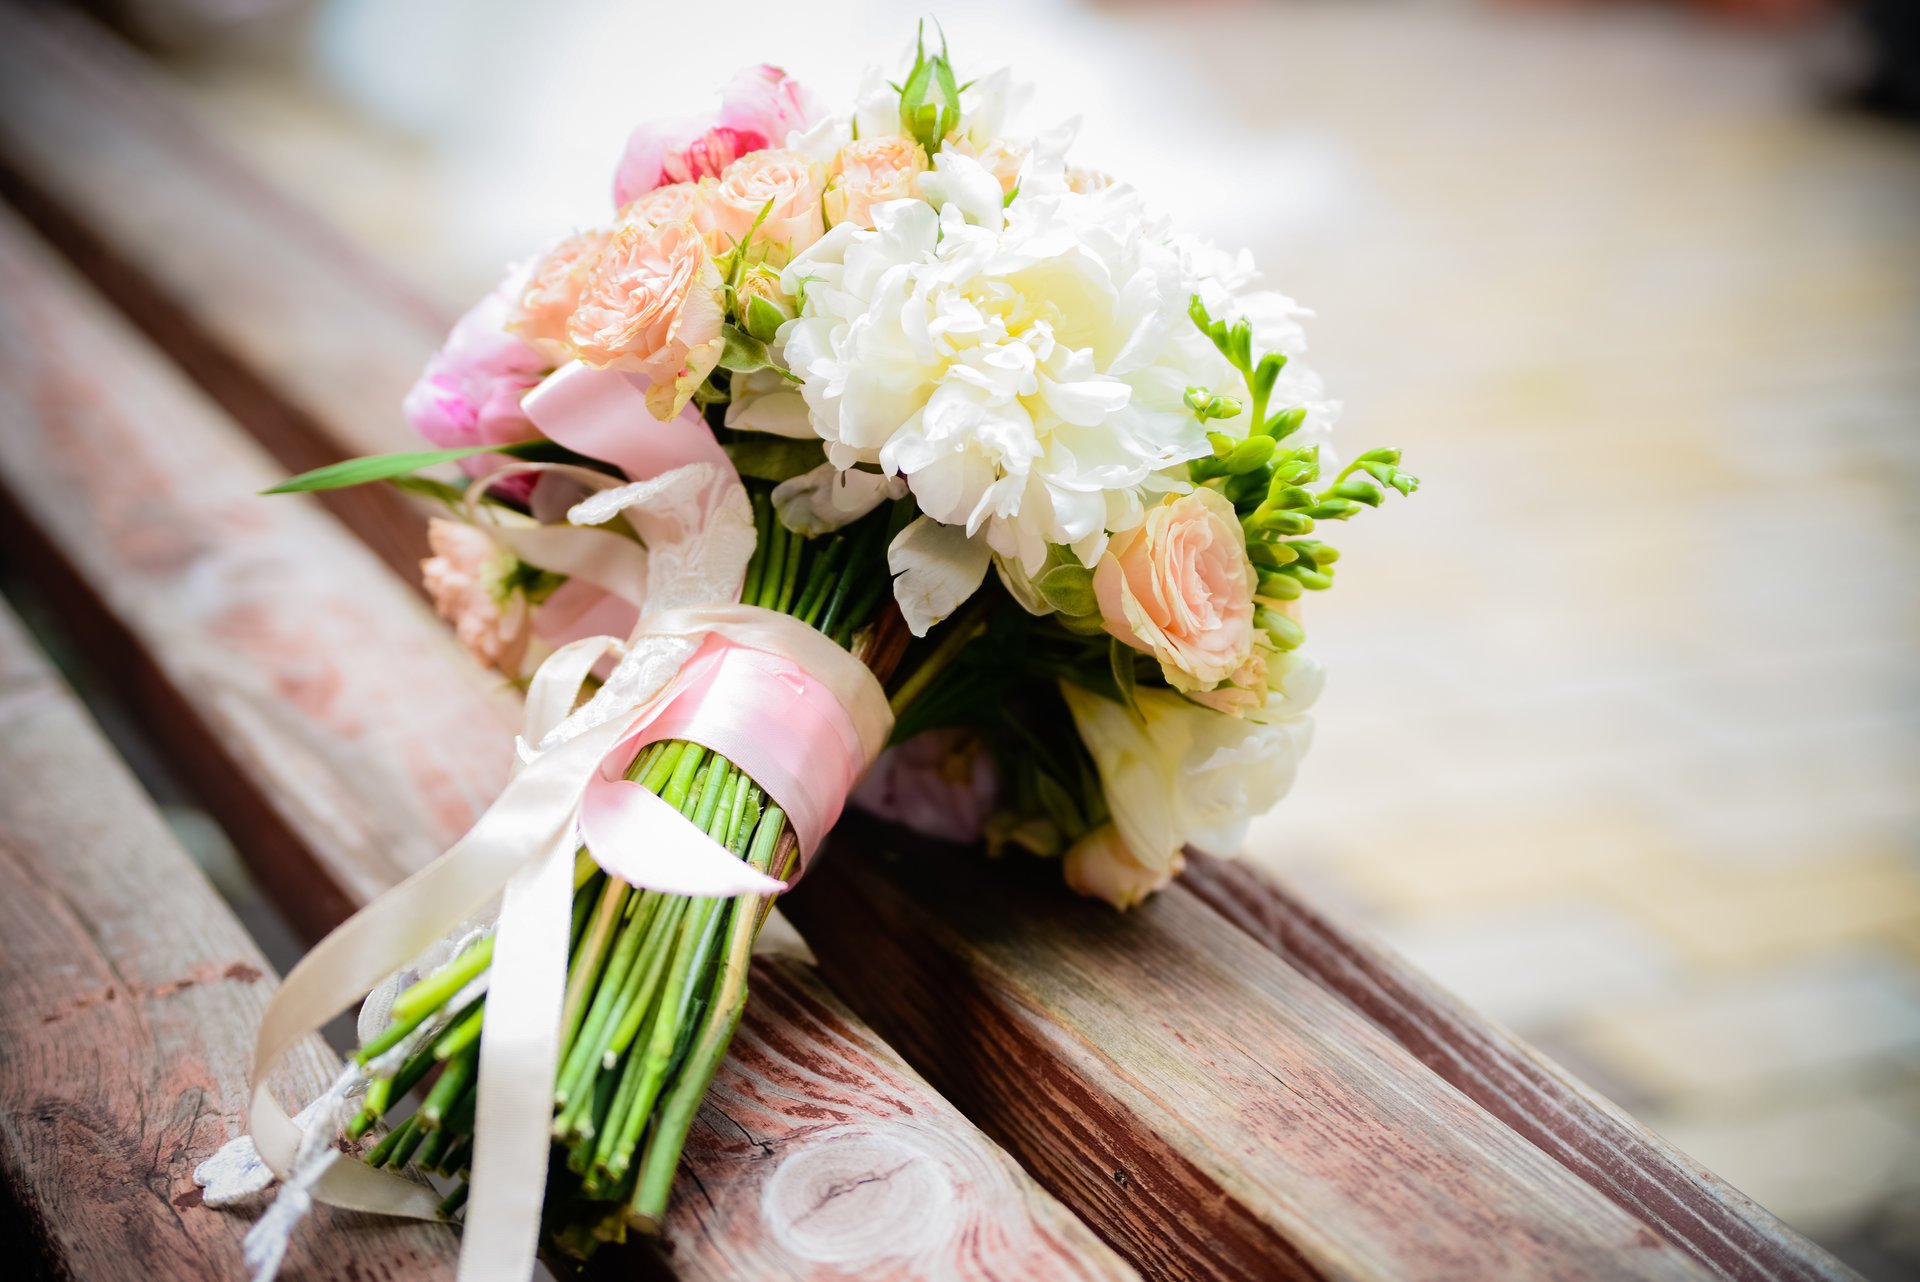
x=826, y=498
x=763, y=401
x=1180, y=774
x=1024, y=372
x=935, y=567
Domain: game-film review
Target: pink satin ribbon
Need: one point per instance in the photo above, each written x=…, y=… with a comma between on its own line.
x=603, y=414
x=759, y=709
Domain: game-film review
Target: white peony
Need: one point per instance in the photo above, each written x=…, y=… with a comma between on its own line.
x=1022, y=367
x=1180, y=774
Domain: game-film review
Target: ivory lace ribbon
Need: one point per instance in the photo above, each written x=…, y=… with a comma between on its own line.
x=798, y=714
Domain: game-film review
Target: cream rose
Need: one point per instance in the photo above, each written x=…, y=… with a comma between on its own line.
x=653, y=305
x=869, y=173
x=1180, y=775
x=552, y=292
x=1101, y=866
x=1180, y=587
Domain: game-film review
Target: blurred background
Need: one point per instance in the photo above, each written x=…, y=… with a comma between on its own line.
x=1620, y=740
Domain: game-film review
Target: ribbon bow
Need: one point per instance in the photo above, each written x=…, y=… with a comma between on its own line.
x=799, y=715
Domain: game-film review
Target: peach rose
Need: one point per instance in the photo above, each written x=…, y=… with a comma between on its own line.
x=461, y=578
x=788, y=180
x=653, y=305
x=552, y=292
x=1101, y=866
x=1180, y=587
x=870, y=173
x=674, y=203
x=1001, y=159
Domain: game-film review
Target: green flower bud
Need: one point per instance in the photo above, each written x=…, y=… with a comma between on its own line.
x=1249, y=454
x=1285, y=632
x=1285, y=423
x=1280, y=587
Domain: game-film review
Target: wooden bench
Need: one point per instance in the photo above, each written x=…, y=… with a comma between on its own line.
x=973, y=1075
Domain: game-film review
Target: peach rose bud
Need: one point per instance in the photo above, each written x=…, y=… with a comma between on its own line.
x=1179, y=586
x=674, y=203
x=785, y=184
x=654, y=306
x=870, y=173
x=1101, y=866
x=460, y=579
x=539, y=315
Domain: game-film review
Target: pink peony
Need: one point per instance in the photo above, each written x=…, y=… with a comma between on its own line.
x=653, y=305
x=470, y=392
x=1180, y=587
x=758, y=109
x=942, y=783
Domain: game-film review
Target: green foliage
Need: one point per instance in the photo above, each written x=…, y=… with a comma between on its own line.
x=1274, y=487
x=774, y=458
x=388, y=467
x=930, y=98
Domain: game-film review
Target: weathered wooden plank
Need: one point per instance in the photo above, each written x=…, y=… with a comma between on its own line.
x=1689, y=1205
x=324, y=715
x=275, y=316
x=1207, y=1107
x=129, y=997
x=1714, y=1223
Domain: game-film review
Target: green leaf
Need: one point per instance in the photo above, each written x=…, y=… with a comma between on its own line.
x=1068, y=589
x=428, y=488
x=743, y=353
x=774, y=458
x=385, y=467
x=764, y=319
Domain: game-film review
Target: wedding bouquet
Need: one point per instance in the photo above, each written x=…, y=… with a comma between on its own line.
x=846, y=430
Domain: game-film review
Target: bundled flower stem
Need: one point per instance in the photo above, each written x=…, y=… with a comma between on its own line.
x=656, y=983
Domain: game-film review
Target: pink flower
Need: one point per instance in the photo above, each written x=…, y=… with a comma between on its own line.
x=461, y=578
x=1180, y=587
x=942, y=783
x=653, y=305
x=470, y=392
x=758, y=109
x=869, y=173
x=674, y=203
x=539, y=315
x=785, y=184
x=1101, y=866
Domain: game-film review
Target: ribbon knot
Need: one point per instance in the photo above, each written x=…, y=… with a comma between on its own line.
x=795, y=712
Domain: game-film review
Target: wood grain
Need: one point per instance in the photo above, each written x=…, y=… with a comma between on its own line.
x=287, y=328
x=129, y=998
x=1689, y=1205
x=1206, y=1107
x=333, y=726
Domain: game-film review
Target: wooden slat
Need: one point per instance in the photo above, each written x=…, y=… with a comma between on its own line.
x=1689, y=1205
x=1210, y=1109
x=1716, y=1225
x=129, y=999
x=310, y=697
x=283, y=325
